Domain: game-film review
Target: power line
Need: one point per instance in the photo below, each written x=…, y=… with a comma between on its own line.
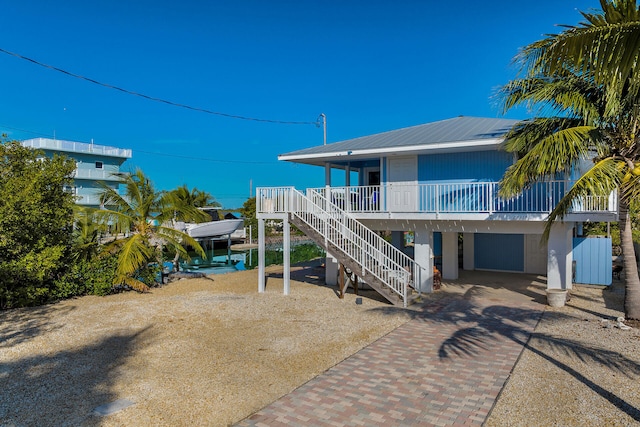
x=245, y=162
x=24, y=130
x=152, y=98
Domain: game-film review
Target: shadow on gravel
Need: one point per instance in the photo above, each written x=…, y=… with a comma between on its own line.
x=21, y=324
x=479, y=325
x=64, y=388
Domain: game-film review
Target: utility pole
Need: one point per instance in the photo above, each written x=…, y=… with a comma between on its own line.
x=324, y=127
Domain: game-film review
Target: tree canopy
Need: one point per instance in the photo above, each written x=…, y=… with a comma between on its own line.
x=584, y=89
x=36, y=218
x=145, y=216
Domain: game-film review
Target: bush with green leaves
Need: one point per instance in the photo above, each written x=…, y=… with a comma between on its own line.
x=92, y=276
x=36, y=218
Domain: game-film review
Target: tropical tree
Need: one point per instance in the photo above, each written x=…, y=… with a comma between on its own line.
x=145, y=216
x=194, y=197
x=248, y=212
x=585, y=90
x=36, y=218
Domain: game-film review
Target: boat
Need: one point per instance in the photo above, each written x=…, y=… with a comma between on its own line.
x=217, y=227
x=222, y=227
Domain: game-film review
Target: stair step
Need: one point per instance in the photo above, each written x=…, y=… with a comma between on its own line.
x=339, y=249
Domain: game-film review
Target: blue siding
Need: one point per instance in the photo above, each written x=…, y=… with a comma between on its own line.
x=470, y=166
x=437, y=249
x=593, y=260
x=499, y=252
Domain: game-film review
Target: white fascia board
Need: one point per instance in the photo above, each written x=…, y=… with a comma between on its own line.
x=441, y=147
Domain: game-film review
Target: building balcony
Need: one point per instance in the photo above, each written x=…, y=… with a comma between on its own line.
x=77, y=147
x=95, y=174
x=88, y=199
x=452, y=200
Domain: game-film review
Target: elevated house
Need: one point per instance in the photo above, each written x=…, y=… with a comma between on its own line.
x=95, y=164
x=434, y=187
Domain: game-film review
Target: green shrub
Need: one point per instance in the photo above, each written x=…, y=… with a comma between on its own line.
x=87, y=277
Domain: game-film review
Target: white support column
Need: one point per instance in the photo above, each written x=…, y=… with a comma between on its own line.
x=423, y=255
x=286, y=254
x=450, y=255
x=330, y=271
x=347, y=178
x=468, y=254
x=261, y=251
x=327, y=174
x=560, y=256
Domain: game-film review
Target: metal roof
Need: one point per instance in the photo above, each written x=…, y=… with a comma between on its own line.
x=444, y=135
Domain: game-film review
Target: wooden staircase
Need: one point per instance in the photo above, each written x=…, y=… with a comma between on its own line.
x=375, y=261
x=348, y=262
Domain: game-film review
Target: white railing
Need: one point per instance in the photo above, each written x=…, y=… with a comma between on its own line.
x=99, y=174
x=374, y=255
x=88, y=199
x=76, y=147
x=461, y=197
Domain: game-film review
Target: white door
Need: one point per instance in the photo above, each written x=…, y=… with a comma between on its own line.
x=535, y=256
x=403, y=188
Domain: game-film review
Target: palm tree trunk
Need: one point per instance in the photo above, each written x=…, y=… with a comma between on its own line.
x=176, y=262
x=632, y=281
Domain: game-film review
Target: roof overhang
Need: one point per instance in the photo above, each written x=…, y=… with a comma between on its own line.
x=345, y=156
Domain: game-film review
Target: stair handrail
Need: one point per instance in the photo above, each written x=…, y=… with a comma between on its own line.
x=369, y=250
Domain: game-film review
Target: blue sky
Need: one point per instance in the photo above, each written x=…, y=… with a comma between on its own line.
x=370, y=66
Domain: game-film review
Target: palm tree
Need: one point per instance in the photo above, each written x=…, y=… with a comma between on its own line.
x=185, y=204
x=606, y=47
x=194, y=197
x=586, y=109
x=144, y=215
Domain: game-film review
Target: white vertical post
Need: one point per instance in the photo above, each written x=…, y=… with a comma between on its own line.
x=423, y=255
x=286, y=254
x=261, y=251
x=330, y=271
x=560, y=256
x=490, y=201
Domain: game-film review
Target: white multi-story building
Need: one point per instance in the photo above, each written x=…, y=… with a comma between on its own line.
x=95, y=164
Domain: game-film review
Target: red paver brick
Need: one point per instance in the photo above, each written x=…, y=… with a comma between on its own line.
x=417, y=374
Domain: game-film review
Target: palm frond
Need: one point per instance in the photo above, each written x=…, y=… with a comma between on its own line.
x=177, y=239
x=135, y=253
x=605, y=48
x=600, y=181
x=566, y=95
x=134, y=283
x=550, y=155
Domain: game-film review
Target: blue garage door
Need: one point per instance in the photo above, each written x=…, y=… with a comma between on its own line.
x=504, y=252
x=592, y=258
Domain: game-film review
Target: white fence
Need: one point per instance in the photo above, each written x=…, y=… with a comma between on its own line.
x=461, y=197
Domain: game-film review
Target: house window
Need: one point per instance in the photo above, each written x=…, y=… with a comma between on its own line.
x=98, y=165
